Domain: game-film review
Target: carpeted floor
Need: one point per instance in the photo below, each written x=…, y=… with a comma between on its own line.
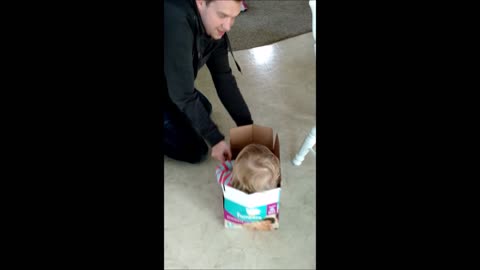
x=269, y=21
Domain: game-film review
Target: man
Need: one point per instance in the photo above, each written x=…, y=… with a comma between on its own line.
x=195, y=35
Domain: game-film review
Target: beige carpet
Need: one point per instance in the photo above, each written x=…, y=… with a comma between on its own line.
x=278, y=83
x=269, y=21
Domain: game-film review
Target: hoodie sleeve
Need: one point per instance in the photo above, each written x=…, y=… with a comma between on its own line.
x=226, y=86
x=179, y=76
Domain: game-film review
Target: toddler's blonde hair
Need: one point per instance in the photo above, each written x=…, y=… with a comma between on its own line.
x=255, y=169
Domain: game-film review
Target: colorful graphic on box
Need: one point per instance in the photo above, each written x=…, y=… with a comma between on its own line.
x=239, y=214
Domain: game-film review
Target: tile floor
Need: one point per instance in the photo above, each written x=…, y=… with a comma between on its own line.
x=278, y=84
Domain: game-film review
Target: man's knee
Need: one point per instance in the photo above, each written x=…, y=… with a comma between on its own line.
x=196, y=149
x=193, y=152
x=198, y=158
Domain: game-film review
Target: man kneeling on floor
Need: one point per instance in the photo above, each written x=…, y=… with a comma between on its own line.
x=195, y=33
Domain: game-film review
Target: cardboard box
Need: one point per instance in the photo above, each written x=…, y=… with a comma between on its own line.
x=257, y=211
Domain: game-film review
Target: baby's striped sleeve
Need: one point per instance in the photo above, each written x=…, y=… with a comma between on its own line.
x=224, y=172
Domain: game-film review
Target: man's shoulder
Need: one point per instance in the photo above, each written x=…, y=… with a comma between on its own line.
x=174, y=8
x=178, y=12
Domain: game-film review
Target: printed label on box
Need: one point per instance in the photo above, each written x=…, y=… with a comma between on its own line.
x=272, y=209
x=239, y=214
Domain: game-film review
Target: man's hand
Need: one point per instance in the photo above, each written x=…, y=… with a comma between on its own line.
x=221, y=151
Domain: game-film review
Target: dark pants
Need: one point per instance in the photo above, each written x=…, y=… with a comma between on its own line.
x=180, y=140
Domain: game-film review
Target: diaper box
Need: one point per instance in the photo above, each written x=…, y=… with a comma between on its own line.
x=257, y=211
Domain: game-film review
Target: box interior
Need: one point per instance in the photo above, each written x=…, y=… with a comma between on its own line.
x=245, y=135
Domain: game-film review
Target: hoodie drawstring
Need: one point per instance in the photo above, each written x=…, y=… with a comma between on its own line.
x=231, y=51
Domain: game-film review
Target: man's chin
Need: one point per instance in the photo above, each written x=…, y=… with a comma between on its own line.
x=215, y=37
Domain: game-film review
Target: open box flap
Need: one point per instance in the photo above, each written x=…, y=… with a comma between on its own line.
x=245, y=135
x=239, y=137
x=263, y=136
x=276, y=151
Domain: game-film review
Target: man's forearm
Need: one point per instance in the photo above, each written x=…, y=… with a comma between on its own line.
x=232, y=99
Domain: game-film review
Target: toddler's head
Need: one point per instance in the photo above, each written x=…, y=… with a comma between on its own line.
x=255, y=169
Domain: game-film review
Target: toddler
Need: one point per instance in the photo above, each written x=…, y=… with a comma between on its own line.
x=255, y=169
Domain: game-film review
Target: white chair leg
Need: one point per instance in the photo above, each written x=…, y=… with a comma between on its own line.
x=311, y=139
x=313, y=5
x=307, y=145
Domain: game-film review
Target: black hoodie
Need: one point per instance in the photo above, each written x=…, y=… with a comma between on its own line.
x=187, y=48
